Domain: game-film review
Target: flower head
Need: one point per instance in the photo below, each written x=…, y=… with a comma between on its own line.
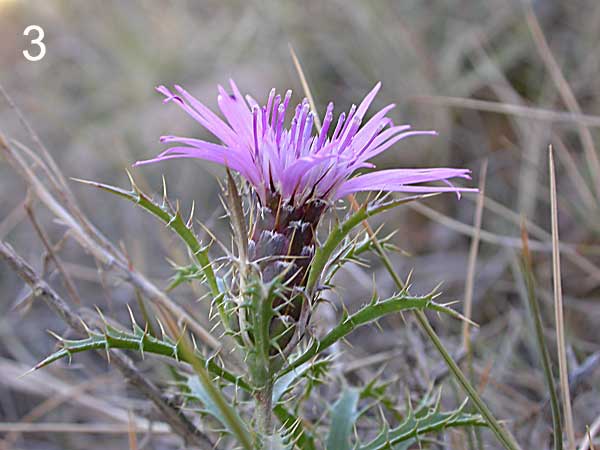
x=293, y=164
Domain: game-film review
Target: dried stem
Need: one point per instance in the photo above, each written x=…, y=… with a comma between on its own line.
x=558, y=310
x=567, y=96
x=525, y=112
x=68, y=282
x=470, y=281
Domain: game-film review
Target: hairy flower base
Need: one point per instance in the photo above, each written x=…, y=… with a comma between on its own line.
x=283, y=238
x=282, y=244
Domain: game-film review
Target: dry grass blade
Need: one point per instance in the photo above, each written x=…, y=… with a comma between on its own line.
x=569, y=251
x=558, y=309
x=11, y=220
x=43, y=384
x=306, y=87
x=97, y=246
x=95, y=428
x=566, y=93
x=54, y=173
x=473, y=251
x=68, y=282
x=568, y=162
x=131, y=435
x=525, y=112
x=68, y=393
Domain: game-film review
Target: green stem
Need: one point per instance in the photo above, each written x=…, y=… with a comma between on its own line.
x=264, y=410
x=177, y=224
x=259, y=360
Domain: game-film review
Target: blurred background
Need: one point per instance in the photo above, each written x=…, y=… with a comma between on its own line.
x=498, y=80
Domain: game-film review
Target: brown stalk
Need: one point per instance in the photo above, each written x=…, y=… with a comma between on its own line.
x=558, y=310
x=473, y=251
x=526, y=112
x=68, y=282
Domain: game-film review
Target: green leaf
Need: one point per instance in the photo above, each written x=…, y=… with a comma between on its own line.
x=426, y=420
x=276, y=441
x=283, y=383
x=351, y=251
x=368, y=314
x=295, y=428
x=200, y=394
x=140, y=341
x=343, y=416
x=218, y=403
x=197, y=392
x=186, y=274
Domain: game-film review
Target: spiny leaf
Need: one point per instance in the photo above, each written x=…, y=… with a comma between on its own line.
x=365, y=315
x=352, y=250
x=138, y=340
x=376, y=389
x=426, y=420
x=295, y=428
x=186, y=274
x=281, y=386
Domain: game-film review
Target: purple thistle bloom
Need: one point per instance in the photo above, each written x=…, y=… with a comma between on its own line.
x=293, y=164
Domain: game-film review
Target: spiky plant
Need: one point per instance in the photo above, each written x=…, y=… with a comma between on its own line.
x=289, y=181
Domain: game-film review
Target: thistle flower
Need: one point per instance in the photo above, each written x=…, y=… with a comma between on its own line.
x=293, y=164
x=295, y=173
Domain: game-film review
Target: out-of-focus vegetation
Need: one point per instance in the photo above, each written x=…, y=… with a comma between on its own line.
x=92, y=102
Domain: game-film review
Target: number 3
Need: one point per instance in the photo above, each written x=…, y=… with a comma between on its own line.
x=37, y=41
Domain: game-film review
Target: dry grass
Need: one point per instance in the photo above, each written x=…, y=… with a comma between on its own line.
x=498, y=81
